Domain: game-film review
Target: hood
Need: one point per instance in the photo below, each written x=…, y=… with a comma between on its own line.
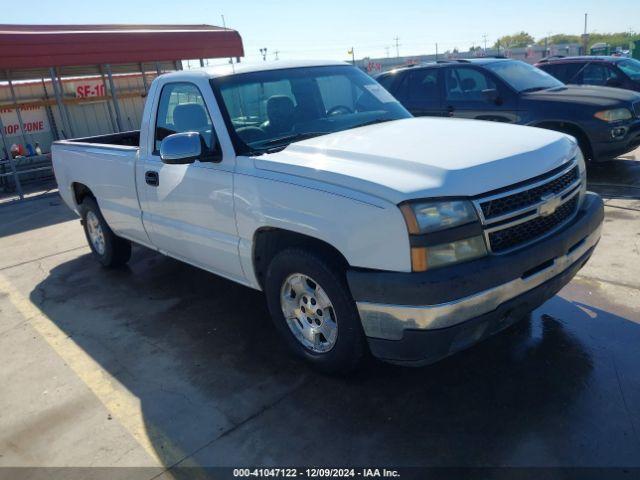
x=424, y=157
x=587, y=95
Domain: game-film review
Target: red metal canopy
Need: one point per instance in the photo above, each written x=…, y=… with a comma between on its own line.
x=44, y=46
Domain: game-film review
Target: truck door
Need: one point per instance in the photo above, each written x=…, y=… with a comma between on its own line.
x=472, y=93
x=188, y=209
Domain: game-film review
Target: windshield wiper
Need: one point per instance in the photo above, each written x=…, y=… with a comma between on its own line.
x=372, y=122
x=533, y=89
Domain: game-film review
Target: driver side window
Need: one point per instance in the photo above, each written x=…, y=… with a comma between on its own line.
x=597, y=74
x=182, y=109
x=466, y=84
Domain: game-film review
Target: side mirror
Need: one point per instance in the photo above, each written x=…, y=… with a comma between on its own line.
x=613, y=82
x=491, y=95
x=181, y=148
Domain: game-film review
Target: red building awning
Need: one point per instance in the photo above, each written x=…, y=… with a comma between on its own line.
x=43, y=46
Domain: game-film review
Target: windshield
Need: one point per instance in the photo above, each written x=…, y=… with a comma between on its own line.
x=270, y=109
x=522, y=76
x=631, y=67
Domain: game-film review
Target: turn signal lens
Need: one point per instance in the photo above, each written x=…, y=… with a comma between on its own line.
x=419, y=259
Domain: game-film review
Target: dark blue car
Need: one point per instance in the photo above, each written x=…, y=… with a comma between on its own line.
x=604, y=71
x=605, y=121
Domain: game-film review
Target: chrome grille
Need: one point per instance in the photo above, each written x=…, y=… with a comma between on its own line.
x=508, y=238
x=526, y=213
x=518, y=201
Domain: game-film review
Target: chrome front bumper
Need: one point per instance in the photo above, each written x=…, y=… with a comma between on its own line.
x=389, y=322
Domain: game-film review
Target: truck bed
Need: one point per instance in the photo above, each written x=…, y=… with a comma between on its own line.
x=124, y=139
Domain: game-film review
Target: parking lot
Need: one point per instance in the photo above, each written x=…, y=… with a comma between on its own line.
x=160, y=364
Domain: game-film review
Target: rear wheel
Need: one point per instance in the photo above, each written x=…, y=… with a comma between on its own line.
x=312, y=308
x=109, y=249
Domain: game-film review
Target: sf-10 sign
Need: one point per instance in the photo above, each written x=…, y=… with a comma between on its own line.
x=88, y=89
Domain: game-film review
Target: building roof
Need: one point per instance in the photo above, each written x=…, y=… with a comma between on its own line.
x=24, y=47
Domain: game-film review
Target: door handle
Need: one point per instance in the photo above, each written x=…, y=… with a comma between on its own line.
x=450, y=110
x=152, y=178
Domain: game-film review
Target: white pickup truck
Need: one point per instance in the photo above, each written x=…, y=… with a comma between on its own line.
x=367, y=229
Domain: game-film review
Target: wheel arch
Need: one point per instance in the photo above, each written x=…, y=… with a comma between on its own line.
x=80, y=192
x=269, y=241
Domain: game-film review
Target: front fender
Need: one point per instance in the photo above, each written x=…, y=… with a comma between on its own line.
x=369, y=235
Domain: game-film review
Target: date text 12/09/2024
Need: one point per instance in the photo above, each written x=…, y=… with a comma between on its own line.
x=316, y=472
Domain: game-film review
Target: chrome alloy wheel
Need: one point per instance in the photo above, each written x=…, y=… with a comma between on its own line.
x=309, y=313
x=96, y=235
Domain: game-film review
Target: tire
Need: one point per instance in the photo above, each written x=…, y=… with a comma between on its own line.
x=340, y=353
x=111, y=251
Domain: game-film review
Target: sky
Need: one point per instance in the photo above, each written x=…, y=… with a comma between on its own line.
x=328, y=29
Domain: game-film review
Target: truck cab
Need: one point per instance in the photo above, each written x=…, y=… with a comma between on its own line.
x=367, y=229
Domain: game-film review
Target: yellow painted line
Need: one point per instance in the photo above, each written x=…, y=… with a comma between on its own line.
x=122, y=404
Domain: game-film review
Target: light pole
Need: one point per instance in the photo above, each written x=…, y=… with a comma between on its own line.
x=585, y=37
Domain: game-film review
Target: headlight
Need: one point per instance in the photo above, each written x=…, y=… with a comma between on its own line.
x=614, y=115
x=425, y=217
x=582, y=170
x=431, y=245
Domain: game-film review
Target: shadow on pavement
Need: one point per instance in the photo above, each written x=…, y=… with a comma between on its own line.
x=211, y=375
x=618, y=178
x=33, y=213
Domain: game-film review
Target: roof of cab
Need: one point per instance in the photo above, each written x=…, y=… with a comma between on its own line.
x=239, y=68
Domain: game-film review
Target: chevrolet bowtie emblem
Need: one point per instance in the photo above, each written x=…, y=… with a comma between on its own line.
x=550, y=204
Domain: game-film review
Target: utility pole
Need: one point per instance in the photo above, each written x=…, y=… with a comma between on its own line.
x=396, y=39
x=585, y=37
x=276, y=54
x=586, y=15
x=436, y=51
x=224, y=25
x=484, y=37
x=386, y=49
x=353, y=56
x=263, y=52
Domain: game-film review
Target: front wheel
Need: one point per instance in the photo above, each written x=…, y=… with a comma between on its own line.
x=312, y=308
x=109, y=249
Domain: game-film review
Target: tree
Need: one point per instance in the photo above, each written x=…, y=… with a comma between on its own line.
x=521, y=39
x=619, y=39
x=560, y=38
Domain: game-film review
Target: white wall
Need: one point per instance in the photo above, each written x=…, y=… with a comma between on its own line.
x=87, y=117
